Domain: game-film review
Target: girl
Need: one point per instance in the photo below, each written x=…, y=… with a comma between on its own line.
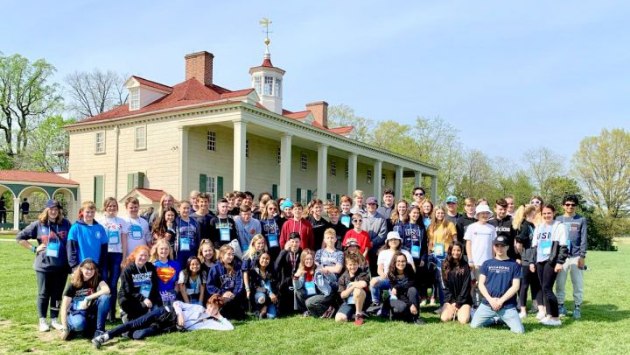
x=524, y=225
x=139, y=285
x=164, y=226
x=88, y=239
x=207, y=255
x=286, y=207
x=265, y=285
x=188, y=235
x=311, y=299
x=393, y=245
x=441, y=234
x=399, y=216
x=167, y=271
x=359, y=207
x=550, y=242
x=256, y=248
x=538, y=202
x=271, y=225
x=50, y=261
x=226, y=280
x=167, y=201
x=457, y=285
x=86, y=294
x=415, y=242
x=192, y=282
x=403, y=296
x=318, y=222
x=426, y=212
x=117, y=233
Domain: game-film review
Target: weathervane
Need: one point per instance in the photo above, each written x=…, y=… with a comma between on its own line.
x=265, y=22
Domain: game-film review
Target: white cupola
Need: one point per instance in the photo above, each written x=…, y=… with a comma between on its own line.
x=267, y=81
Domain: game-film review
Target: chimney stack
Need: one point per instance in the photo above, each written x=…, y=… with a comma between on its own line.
x=320, y=112
x=199, y=66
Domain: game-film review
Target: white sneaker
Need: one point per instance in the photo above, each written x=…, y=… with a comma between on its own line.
x=540, y=315
x=55, y=324
x=552, y=322
x=522, y=315
x=423, y=303
x=43, y=325
x=432, y=303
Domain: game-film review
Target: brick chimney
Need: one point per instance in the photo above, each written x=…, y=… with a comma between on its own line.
x=320, y=112
x=199, y=66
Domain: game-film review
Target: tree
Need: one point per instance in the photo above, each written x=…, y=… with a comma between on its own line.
x=48, y=147
x=25, y=96
x=343, y=115
x=478, y=179
x=517, y=184
x=559, y=187
x=543, y=164
x=95, y=92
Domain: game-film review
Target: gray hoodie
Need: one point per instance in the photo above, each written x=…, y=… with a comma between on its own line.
x=376, y=226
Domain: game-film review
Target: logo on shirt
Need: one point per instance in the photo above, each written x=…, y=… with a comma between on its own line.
x=166, y=273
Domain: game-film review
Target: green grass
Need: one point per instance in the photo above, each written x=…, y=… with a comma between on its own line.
x=604, y=328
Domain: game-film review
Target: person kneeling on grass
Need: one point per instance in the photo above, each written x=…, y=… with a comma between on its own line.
x=457, y=285
x=180, y=316
x=85, y=302
x=499, y=281
x=403, y=299
x=312, y=290
x=352, y=290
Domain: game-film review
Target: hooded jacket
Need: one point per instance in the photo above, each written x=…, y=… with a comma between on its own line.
x=87, y=241
x=558, y=253
x=43, y=233
x=220, y=282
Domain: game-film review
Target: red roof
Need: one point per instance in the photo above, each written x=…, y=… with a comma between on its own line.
x=267, y=63
x=17, y=176
x=152, y=194
x=341, y=130
x=237, y=93
x=296, y=115
x=152, y=84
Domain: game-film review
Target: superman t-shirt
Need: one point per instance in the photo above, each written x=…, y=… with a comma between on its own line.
x=167, y=275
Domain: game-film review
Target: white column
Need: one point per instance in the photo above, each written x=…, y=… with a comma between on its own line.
x=322, y=171
x=16, y=213
x=352, y=173
x=417, y=179
x=377, y=178
x=183, y=163
x=434, y=192
x=284, y=190
x=399, y=182
x=240, y=161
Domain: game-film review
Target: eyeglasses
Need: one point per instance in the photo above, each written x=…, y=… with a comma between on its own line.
x=357, y=220
x=418, y=194
x=534, y=202
x=570, y=204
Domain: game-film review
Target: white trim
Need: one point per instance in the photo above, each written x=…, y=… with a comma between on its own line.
x=96, y=142
x=136, y=137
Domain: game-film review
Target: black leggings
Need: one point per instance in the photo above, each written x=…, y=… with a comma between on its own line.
x=530, y=279
x=400, y=308
x=547, y=277
x=49, y=290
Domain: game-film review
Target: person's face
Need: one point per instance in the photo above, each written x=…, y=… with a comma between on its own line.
x=352, y=266
x=87, y=271
x=414, y=215
x=308, y=260
x=426, y=208
x=238, y=201
x=195, y=266
x=316, y=209
x=330, y=240
x=167, y=202
x=184, y=210
x=297, y=212
x=500, y=250
x=456, y=252
x=356, y=222
x=52, y=213
x=401, y=262
x=259, y=244
x=345, y=207
x=223, y=208
x=295, y=244
x=469, y=208
x=111, y=209
x=569, y=207
x=371, y=207
x=207, y=252
x=401, y=208
x=141, y=258
x=193, y=200
x=500, y=211
x=394, y=243
x=230, y=201
x=163, y=251
x=132, y=209
x=388, y=199
x=359, y=200
x=265, y=260
x=288, y=212
x=248, y=201
x=483, y=216
x=271, y=210
x=353, y=249
x=439, y=215
x=334, y=216
x=246, y=216
x=327, y=209
x=536, y=202
x=547, y=215
x=88, y=214
x=228, y=256
x=510, y=207
x=203, y=203
x=418, y=195
x=452, y=207
x=169, y=216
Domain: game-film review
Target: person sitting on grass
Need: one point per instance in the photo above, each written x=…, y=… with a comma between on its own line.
x=457, y=285
x=192, y=282
x=264, y=283
x=85, y=302
x=226, y=280
x=352, y=248
x=499, y=281
x=207, y=256
x=313, y=294
x=180, y=316
x=138, y=292
x=353, y=285
x=403, y=300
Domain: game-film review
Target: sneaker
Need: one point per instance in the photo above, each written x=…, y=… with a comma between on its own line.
x=522, y=315
x=358, y=319
x=552, y=322
x=432, y=303
x=306, y=314
x=419, y=322
x=124, y=318
x=383, y=313
x=329, y=312
x=540, y=315
x=55, y=324
x=423, y=303
x=43, y=325
x=98, y=341
x=562, y=310
x=438, y=311
x=577, y=314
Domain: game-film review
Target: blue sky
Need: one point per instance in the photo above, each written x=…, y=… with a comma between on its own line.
x=509, y=75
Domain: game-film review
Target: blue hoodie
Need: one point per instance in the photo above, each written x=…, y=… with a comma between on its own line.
x=219, y=282
x=85, y=241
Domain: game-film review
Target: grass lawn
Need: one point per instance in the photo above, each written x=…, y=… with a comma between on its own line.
x=604, y=329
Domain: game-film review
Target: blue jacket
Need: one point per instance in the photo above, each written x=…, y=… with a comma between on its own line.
x=219, y=282
x=85, y=241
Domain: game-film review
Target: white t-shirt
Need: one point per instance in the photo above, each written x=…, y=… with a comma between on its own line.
x=116, y=229
x=481, y=236
x=385, y=258
x=138, y=233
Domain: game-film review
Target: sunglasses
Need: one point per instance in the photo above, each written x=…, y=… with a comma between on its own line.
x=570, y=204
x=419, y=194
x=535, y=202
x=357, y=220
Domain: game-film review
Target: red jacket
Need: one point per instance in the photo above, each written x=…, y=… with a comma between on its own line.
x=303, y=227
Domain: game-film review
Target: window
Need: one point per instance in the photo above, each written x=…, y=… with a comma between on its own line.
x=347, y=167
x=98, y=190
x=304, y=162
x=99, y=147
x=279, y=156
x=268, y=86
x=141, y=137
x=333, y=168
x=369, y=176
x=257, y=85
x=247, y=148
x=278, y=87
x=211, y=144
x=134, y=103
x=383, y=178
x=211, y=189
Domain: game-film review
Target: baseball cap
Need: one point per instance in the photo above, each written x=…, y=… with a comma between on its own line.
x=294, y=235
x=393, y=235
x=53, y=203
x=451, y=198
x=500, y=240
x=372, y=200
x=352, y=242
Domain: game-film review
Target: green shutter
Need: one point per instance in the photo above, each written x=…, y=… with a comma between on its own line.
x=98, y=190
x=328, y=196
x=203, y=182
x=130, y=182
x=219, y=187
x=337, y=197
x=274, y=191
x=140, y=180
x=298, y=198
x=309, y=196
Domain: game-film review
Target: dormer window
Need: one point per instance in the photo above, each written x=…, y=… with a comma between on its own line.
x=134, y=101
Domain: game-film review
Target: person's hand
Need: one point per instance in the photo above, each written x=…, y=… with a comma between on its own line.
x=519, y=261
x=180, y=321
x=532, y=267
x=147, y=302
x=287, y=246
x=499, y=304
x=274, y=298
x=455, y=307
x=494, y=303
x=581, y=263
x=558, y=268
x=249, y=293
x=228, y=294
x=393, y=292
x=413, y=309
x=40, y=248
x=299, y=273
x=471, y=265
x=421, y=263
x=325, y=271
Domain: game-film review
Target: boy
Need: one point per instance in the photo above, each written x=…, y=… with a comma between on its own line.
x=346, y=215
x=222, y=227
x=88, y=239
x=353, y=285
x=479, y=237
x=286, y=265
x=203, y=215
x=138, y=227
x=362, y=237
x=466, y=219
x=499, y=281
x=340, y=228
x=298, y=225
x=246, y=227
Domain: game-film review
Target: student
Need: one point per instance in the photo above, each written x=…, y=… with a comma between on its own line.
x=399, y=215
x=376, y=226
x=286, y=207
x=138, y=227
x=203, y=216
x=353, y=285
x=318, y=222
x=180, y=316
x=403, y=300
x=298, y=225
x=418, y=196
x=539, y=203
x=426, y=212
x=550, y=241
x=246, y=227
x=452, y=215
x=248, y=200
x=88, y=239
x=499, y=280
x=502, y=222
x=271, y=225
x=357, y=233
x=117, y=233
x=167, y=201
x=441, y=233
x=328, y=203
x=415, y=242
x=50, y=230
x=346, y=213
x=358, y=198
x=192, y=281
x=510, y=205
x=329, y=260
x=222, y=230
x=313, y=297
x=457, y=285
x=188, y=235
x=256, y=248
x=262, y=203
x=387, y=208
x=286, y=266
x=164, y=227
x=138, y=292
x=393, y=244
x=264, y=285
x=192, y=200
x=226, y=280
x=352, y=248
x=167, y=271
x=207, y=256
x=576, y=228
x=230, y=197
x=335, y=223
x=466, y=219
x=479, y=237
x=523, y=223
x=85, y=303
x=239, y=197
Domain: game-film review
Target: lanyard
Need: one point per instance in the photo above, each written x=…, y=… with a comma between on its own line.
x=299, y=229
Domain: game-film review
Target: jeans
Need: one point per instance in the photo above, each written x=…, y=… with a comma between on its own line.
x=484, y=316
x=49, y=290
x=141, y=327
x=376, y=291
x=113, y=274
x=577, y=279
x=316, y=304
x=272, y=313
x=547, y=276
x=439, y=283
x=77, y=320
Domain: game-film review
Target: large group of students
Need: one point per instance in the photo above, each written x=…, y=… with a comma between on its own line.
x=187, y=268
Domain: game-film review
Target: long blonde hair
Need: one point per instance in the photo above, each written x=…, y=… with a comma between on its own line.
x=154, y=250
x=303, y=256
x=252, y=250
x=522, y=212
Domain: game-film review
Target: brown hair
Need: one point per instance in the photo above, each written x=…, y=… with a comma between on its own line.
x=215, y=300
x=108, y=201
x=133, y=200
x=43, y=217
x=77, y=276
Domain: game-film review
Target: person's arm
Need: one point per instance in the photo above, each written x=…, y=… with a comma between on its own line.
x=27, y=233
x=155, y=297
x=516, y=284
x=63, y=312
x=214, y=282
x=103, y=258
x=464, y=293
x=284, y=236
x=562, y=247
x=430, y=235
x=482, y=288
x=72, y=249
x=471, y=262
x=246, y=283
x=124, y=234
x=448, y=296
x=381, y=271
x=127, y=289
x=182, y=281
